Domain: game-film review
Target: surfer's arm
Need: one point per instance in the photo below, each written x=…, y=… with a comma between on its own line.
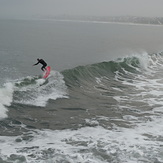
x=36, y=64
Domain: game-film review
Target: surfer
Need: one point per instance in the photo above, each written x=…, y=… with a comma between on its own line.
x=44, y=64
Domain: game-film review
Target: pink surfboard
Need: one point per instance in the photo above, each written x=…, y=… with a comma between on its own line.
x=47, y=72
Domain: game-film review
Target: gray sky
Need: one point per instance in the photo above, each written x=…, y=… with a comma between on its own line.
x=30, y=8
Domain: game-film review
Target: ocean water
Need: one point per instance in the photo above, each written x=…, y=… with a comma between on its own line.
x=102, y=103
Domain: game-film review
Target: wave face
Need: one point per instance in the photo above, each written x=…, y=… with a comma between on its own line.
x=124, y=83
x=126, y=66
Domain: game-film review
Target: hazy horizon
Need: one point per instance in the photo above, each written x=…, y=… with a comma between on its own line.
x=34, y=8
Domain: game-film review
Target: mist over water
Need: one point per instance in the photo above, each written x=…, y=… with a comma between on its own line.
x=34, y=8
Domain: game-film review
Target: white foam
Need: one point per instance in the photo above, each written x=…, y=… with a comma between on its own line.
x=39, y=93
x=158, y=109
x=90, y=144
x=40, y=81
x=145, y=88
x=144, y=60
x=6, y=96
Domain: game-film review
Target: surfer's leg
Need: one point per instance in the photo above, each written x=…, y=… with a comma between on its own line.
x=43, y=68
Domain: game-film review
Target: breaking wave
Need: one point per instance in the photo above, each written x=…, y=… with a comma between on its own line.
x=32, y=90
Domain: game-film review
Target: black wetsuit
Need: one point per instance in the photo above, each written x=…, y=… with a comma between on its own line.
x=43, y=63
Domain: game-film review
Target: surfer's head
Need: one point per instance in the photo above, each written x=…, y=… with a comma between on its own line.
x=38, y=59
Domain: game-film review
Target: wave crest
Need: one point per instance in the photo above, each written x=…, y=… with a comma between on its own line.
x=134, y=64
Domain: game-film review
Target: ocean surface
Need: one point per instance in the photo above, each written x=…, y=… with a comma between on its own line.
x=102, y=103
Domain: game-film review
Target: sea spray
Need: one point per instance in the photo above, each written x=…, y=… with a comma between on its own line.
x=6, y=97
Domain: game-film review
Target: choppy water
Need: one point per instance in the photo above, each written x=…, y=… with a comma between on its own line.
x=109, y=111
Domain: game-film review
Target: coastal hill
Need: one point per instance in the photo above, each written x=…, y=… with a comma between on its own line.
x=115, y=19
